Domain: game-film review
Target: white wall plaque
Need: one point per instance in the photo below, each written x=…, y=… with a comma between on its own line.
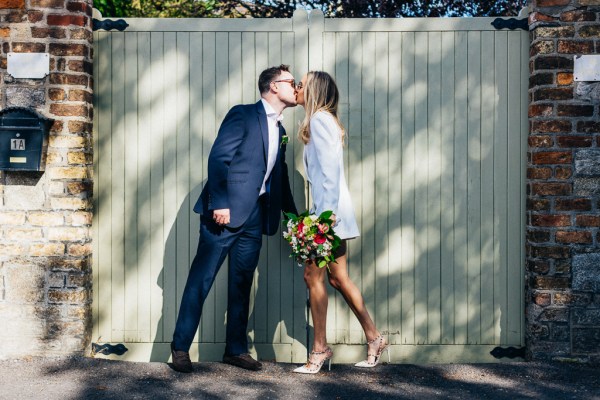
x=28, y=65
x=587, y=68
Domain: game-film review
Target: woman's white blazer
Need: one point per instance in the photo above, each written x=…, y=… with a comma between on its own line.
x=324, y=166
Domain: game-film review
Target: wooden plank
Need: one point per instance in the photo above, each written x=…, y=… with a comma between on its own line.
x=102, y=152
x=501, y=188
x=407, y=182
x=395, y=148
x=130, y=180
x=447, y=190
x=273, y=243
x=210, y=126
x=338, y=306
x=157, y=242
x=488, y=105
x=222, y=106
x=460, y=190
x=117, y=188
x=183, y=244
x=367, y=212
x=95, y=224
x=421, y=184
x=407, y=24
x=144, y=227
x=474, y=188
x=169, y=184
x=434, y=172
x=209, y=24
x=355, y=171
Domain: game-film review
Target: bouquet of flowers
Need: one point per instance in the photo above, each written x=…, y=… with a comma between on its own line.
x=311, y=237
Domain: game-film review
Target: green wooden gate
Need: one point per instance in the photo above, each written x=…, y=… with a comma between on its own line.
x=436, y=114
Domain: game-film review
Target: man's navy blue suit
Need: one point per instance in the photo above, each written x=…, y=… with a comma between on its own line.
x=237, y=165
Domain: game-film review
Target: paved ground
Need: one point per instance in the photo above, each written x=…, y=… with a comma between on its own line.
x=85, y=378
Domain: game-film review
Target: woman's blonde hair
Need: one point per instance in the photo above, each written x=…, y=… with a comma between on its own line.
x=320, y=94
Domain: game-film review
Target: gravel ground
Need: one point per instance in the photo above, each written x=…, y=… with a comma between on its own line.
x=86, y=378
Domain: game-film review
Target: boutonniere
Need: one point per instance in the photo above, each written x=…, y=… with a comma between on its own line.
x=284, y=140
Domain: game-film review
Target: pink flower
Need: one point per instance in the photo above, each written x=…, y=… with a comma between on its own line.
x=320, y=239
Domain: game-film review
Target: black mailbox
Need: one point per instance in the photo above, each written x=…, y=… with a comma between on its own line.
x=23, y=139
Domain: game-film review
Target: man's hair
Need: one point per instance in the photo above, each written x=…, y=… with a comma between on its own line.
x=269, y=75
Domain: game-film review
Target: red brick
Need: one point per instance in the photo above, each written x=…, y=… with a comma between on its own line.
x=552, y=157
x=5, y=32
x=6, y=4
x=47, y=3
x=56, y=94
x=16, y=16
x=556, y=252
x=588, y=126
x=3, y=63
x=574, y=141
x=542, y=299
x=574, y=237
x=575, y=110
x=20, y=47
x=538, y=236
x=563, y=172
x=80, y=95
x=577, y=16
x=553, y=125
x=81, y=34
x=550, y=283
x=560, y=93
x=551, y=189
x=35, y=16
x=591, y=31
x=540, y=110
x=551, y=220
x=587, y=220
x=81, y=66
x=68, y=79
x=79, y=127
x=75, y=6
x=564, y=78
x=541, y=47
x=57, y=126
x=69, y=49
x=65, y=20
x=539, y=173
x=553, y=62
x=67, y=110
x=538, y=266
x=540, y=141
x=538, y=205
x=551, y=3
x=55, y=33
x=573, y=204
x=575, y=47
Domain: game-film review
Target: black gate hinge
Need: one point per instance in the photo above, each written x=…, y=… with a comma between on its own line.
x=511, y=23
x=109, y=24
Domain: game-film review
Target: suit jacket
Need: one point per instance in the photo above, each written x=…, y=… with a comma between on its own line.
x=324, y=166
x=237, y=165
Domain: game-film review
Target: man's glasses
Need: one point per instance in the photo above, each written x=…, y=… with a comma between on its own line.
x=299, y=86
x=290, y=81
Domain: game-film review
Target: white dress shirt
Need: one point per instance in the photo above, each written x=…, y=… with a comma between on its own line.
x=272, y=119
x=324, y=166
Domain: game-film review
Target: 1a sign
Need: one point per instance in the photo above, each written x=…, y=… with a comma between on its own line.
x=17, y=144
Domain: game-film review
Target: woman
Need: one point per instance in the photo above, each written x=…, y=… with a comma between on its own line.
x=322, y=134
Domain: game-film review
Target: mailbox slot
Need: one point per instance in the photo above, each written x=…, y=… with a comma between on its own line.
x=23, y=139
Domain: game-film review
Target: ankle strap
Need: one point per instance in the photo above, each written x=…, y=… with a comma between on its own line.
x=374, y=340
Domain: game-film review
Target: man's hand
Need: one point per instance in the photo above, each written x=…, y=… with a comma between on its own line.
x=221, y=216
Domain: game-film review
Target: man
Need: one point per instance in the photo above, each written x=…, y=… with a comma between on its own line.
x=246, y=190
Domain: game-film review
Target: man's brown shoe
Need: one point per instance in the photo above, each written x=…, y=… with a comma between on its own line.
x=181, y=360
x=243, y=361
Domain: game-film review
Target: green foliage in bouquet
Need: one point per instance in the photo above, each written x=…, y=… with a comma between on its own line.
x=311, y=237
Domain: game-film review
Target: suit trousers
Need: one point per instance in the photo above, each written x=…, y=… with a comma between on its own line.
x=216, y=242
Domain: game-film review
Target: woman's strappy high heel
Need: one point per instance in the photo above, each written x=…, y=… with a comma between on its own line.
x=383, y=346
x=312, y=367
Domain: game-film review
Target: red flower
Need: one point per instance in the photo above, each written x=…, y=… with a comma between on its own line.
x=300, y=226
x=320, y=239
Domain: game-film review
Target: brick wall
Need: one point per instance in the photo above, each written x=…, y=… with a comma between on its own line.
x=45, y=218
x=563, y=224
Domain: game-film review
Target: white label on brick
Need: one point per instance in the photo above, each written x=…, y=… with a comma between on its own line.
x=17, y=144
x=587, y=68
x=28, y=65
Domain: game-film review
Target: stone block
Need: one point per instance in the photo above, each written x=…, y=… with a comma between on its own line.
x=24, y=197
x=70, y=203
x=72, y=142
x=587, y=163
x=588, y=91
x=586, y=186
x=586, y=340
x=22, y=234
x=589, y=2
x=24, y=283
x=586, y=272
x=559, y=333
x=21, y=96
x=68, y=233
x=586, y=317
x=46, y=249
x=12, y=218
x=45, y=219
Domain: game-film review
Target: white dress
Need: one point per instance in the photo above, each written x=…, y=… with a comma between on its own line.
x=324, y=166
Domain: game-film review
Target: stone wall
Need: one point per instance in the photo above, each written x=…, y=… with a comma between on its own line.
x=45, y=217
x=563, y=222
